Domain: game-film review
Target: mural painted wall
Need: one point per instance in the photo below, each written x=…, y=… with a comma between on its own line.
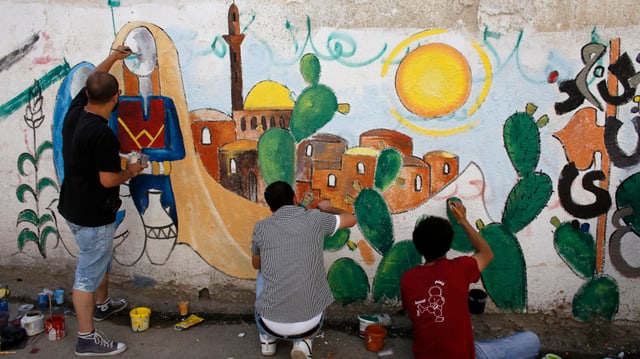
x=535, y=128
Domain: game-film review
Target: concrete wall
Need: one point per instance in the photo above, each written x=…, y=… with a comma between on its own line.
x=527, y=111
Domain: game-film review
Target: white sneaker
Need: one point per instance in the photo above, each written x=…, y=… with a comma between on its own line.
x=268, y=344
x=301, y=349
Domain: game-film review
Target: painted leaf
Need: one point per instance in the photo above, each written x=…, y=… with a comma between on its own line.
x=22, y=189
x=46, y=182
x=25, y=236
x=400, y=258
x=576, y=248
x=597, y=299
x=522, y=142
x=28, y=215
x=505, y=278
x=627, y=196
x=313, y=109
x=526, y=200
x=276, y=156
x=337, y=240
x=310, y=69
x=347, y=280
x=24, y=157
x=388, y=167
x=374, y=219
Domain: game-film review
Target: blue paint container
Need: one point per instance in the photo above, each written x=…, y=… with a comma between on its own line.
x=4, y=305
x=43, y=300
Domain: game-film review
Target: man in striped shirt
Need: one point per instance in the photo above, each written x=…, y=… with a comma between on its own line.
x=292, y=291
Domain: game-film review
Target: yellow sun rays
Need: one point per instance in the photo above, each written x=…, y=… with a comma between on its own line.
x=435, y=80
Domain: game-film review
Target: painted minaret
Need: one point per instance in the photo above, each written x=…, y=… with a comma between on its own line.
x=234, y=39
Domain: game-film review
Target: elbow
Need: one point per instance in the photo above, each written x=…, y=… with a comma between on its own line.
x=348, y=220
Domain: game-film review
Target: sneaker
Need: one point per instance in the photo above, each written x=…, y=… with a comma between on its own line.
x=301, y=349
x=96, y=345
x=104, y=310
x=268, y=344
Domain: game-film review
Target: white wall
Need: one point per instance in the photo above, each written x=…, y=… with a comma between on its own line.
x=511, y=48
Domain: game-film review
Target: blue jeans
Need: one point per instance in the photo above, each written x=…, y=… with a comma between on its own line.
x=95, y=250
x=261, y=330
x=522, y=345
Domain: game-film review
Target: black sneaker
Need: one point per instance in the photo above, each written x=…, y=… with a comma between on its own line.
x=103, y=311
x=96, y=345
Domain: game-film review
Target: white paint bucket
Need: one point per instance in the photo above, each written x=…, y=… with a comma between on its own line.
x=33, y=323
x=365, y=321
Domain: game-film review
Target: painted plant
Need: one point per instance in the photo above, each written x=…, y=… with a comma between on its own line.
x=505, y=279
x=38, y=222
x=347, y=279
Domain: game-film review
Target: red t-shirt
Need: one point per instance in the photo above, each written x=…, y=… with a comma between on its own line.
x=436, y=299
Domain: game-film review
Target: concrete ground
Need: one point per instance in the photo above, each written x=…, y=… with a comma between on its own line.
x=229, y=331
x=209, y=339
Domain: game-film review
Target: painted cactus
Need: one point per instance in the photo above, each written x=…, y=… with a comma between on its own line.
x=599, y=296
x=505, y=278
x=313, y=109
x=374, y=220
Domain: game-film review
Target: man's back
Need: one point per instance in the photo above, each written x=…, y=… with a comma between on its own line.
x=290, y=243
x=435, y=297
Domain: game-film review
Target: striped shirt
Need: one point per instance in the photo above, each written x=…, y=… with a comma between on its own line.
x=290, y=245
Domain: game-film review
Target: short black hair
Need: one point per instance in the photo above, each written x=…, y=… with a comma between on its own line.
x=279, y=194
x=101, y=86
x=432, y=237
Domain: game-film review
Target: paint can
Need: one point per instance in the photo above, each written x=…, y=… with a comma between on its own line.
x=59, y=296
x=140, y=319
x=365, y=321
x=33, y=322
x=43, y=300
x=374, y=337
x=54, y=327
x=477, y=300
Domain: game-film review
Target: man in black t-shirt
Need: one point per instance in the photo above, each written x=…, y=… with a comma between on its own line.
x=89, y=200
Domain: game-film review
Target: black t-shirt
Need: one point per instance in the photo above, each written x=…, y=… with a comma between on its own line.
x=88, y=146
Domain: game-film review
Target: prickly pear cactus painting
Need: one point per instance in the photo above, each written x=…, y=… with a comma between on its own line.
x=599, y=296
x=505, y=278
x=374, y=220
x=317, y=103
x=276, y=155
x=627, y=197
x=313, y=109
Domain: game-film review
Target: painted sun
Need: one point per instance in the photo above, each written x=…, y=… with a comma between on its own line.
x=433, y=80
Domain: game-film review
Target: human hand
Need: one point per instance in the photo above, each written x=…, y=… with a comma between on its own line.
x=136, y=167
x=121, y=52
x=324, y=205
x=458, y=209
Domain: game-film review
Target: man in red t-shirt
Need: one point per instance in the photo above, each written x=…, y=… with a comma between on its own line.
x=435, y=296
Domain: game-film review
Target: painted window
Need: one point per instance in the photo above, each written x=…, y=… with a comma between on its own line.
x=308, y=151
x=418, y=183
x=446, y=169
x=331, y=180
x=205, y=136
x=361, y=168
x=243, y=124
x=233, y=166
x=254, y=122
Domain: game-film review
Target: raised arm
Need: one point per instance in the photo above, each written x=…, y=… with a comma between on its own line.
x=119, y=53
x=484, y=253
x=346, y=219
